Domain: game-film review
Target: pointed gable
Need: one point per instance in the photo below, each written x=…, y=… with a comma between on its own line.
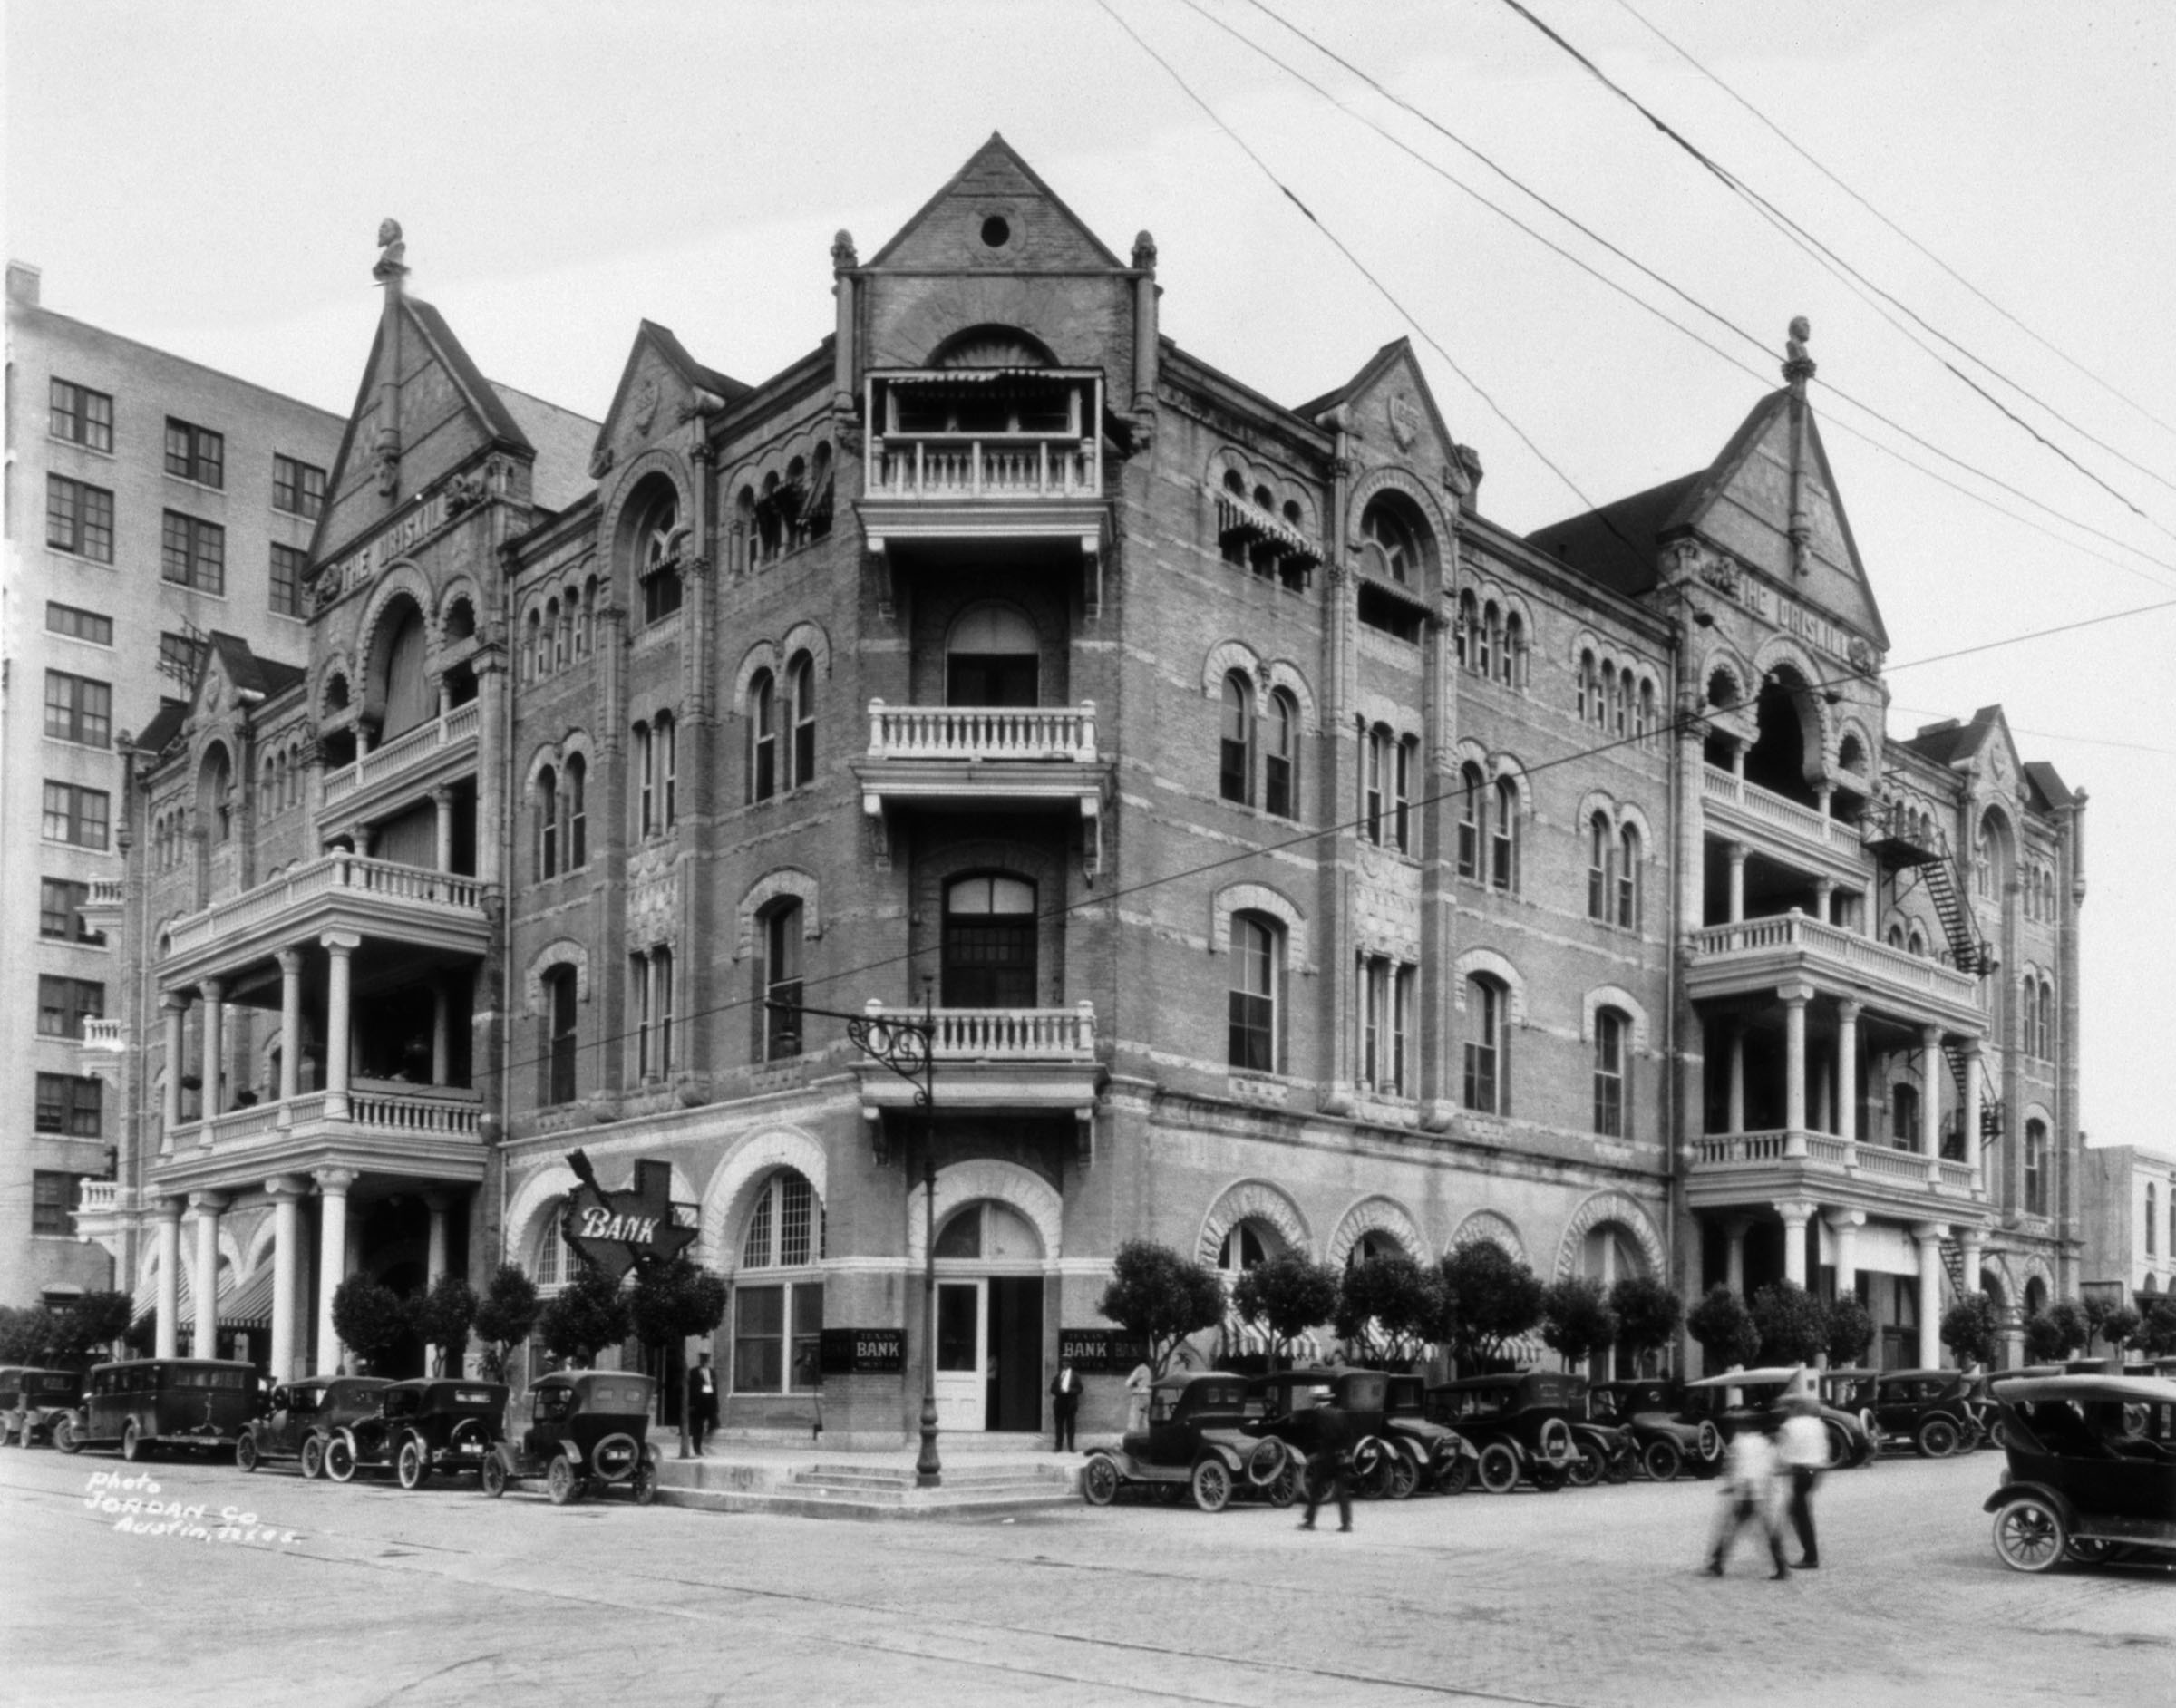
x=1391, y=412
x=954, y=228
x=659, y=385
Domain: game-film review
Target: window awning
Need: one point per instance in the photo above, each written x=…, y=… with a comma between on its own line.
x=1236, y=516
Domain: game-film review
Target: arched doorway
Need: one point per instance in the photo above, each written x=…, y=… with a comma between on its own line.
x=989, y=1319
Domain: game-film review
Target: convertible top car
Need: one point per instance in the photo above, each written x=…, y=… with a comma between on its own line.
x=1669, y=1432
x=1197, y=1440
x=2091, y=1472
x=1760, y=1402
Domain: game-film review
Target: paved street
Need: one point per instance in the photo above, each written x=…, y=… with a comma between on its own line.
x=443, y=1596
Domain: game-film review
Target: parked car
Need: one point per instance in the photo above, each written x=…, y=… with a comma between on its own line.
x=31, y=1401
x=443, y=1425
x=1521, y=1424
x=1756, y=1397
x=1384, y=1461
x=1929, y=1411
x=1606, y=1451
x=2090, y=1470
x=1669, y=1433
x=1449, y=1458
x=304, y=1417
x=141, y=1404
x=589, y=1431
x=1196, y=1440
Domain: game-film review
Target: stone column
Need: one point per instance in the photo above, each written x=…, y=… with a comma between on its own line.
x=1734, y=1267
x=434, y=1263
x=286, y=1193
x=1796, y=1214
x=290, y=1034
x=332, y=1257
x=1824, y=889
x=1969, y=1117
x=1794, y=999
x=1930, y=1235
x=215, y=1046
x=168, y=1342
x=1843, y=1230
x=441, y=798
x=208, y=1205
x=1931, y=1101
x=1847, y=1071
x=172, y=1008
x=1736, y=850
x=338, y=1021
x=1737, y=1076
x=441, y=1042
x=1968, y=1238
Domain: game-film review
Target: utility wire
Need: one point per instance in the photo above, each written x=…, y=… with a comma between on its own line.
x=2045, y=344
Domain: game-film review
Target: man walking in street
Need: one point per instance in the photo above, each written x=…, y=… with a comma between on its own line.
x=1326, y=1472
x=1748, y=1496
x=1064, y=1407
x=701, y=1404
x=1803, y=1446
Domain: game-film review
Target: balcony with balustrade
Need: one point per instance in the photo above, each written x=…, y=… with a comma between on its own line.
x=1724, y=1170
x=409, y=765
x=1740, y=810
x=427, y=1134
x=1752, y=956
x=992, y=1059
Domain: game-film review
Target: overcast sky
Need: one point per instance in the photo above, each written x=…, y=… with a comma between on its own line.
x=209, y=178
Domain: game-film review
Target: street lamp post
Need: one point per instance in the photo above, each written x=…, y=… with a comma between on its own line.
x=906, y=1047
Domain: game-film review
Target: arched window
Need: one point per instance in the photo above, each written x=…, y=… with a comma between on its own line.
x=800, y=696
x=1395, y=546
x=1372, y=783
x=575, y=808
x=1491, y=640
x=1599, y=845
x=664, y=735
x=2035, y=1167
x=1983, y=863
x=1242, y=1250
x=547, y=823
x=588, y=634
x=546, y=1263
x=559, y=633
x=1904, y=1116
x=560, y=1049
x=1504, y=848
x=988, y=955
x=778, y=1317
x=1627, y=878
x=532, y=646
x=215, y=795
x=1408, y=764
x=1621, y=706
x=1647, y=708
x=762, y=737
x=1488, y=1090
x=2047, y=1021
x=1280, y=765
x=651, y=998
x=1591, y=688
x=657, y=536
x=1467, y=632
x=406, y=693
x=645, y=786
x=1511, y=668
x=1256, y=962
x=1473, y=821
x=1916, y=944
x=1235, y=746
x=1611, y=1034
x=778, y=978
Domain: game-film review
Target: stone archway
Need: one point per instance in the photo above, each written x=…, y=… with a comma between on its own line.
x=1610, y=1209
x=1255, y=1201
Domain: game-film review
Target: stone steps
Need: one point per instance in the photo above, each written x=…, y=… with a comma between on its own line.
x=835, y=1489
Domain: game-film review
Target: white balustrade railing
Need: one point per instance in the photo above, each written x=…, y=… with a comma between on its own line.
x=995, y=466
x=1725, y=1149
x=1825, y=1153
x=97, y=1198
x=982, y=731
x=1809, y=823
x=407, y=1112
x=1959, y=1177
x=438, y=1110
x=108, y=892
x=408, y=748
x=1795, y=930
x=1004, y=1034
x=239, y=1126
x=105, y=1034
x=325, y=875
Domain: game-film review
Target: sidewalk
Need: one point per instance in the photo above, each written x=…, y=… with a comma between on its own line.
x=982, y=1476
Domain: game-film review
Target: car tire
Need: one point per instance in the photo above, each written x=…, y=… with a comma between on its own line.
x=1265, y=1463
x=1840, y=1450
x=1099, y=1480
x=65, y=1437
x=1370, y=1468
x=1937, y=1438
x=1212, y=1485
x=413, y=1467
x=1555, y=1443
x=245, y=1453
x=562, y=1482
x=490, y=1476
x=1623, y=1464
x=1498, y=1467
x=2092, y=1550
x=1710, y=1443
x=1661, y=1459
x=1997, y=1435
x=2029, y=1535
x=132, y=1447
x=340, y=1458
x=1404, y=1477
x=646, y=1484
x=1589, y=1468
x=313, y=1458
x=1456, y=1476
x=1285, y=1490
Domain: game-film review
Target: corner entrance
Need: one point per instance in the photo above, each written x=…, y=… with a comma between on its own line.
x=989, y=1327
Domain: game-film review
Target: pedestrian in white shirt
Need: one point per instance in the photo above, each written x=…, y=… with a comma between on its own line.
x=1803, y=1446
x=1748, y=1495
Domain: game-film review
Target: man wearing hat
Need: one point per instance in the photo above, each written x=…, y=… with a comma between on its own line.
x=1802, y=1446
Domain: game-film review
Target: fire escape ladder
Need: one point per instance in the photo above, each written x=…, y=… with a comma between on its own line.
x=1953, y=1261
x=1944, y=887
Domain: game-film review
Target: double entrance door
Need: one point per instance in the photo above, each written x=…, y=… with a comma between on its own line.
x=989, y=1353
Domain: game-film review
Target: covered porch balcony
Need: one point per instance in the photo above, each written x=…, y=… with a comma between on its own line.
x=429, y=1133
x=430, y=754
x=990, y=1059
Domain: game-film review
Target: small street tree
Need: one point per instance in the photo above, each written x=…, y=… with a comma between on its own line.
x=671, y=1303
x=1792, y=1324
x=1972, y=1330
x=505, y=1316
x=1725, y=1327
x=1385, y=1306
x=1851, y=1330
x=585, y=1316
x=441, y=1317
x=1577, y=1322
x=1648, y=1316
x=89, y=1323
x=2120, y=1326
x=2156, y=1329
x=368, y=1316
x=2055, y=1334
x=1288, y=1294
x=25, y=1334
x=1162, y=1298
x=1489, y=1299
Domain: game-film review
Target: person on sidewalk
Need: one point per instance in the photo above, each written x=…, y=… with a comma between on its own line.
x=701, y=1404
x=1748, y=1496
x=1803, y=1446
x=1064, y=1407
x=1329, y=1440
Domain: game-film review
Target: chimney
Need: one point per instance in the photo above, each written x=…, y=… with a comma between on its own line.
x=23, y=284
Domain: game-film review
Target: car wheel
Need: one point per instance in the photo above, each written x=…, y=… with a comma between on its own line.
x=1099, y=1480
x=1404, y=1477
x=65, y=1437
x=1555, y=1443
x=1997, y=1435
x=1265, y=1463
x=1710, y=1443
x=1212, y=1485
x=245, y=1453
x=1662, y=1460
x=1588, y=1468
x=131, y=1442
x=340, y=1458
x=1498, y=1467
x=1840, y=1443
x=1456, y=1476
x=1548, y=1479
x=561, y=1481
x=1623, y=1464
x=2091, y=1551
x=2029, y=1535
x=491, y=1475
x=413, y=1465
x=1937, y=1438
x=313, y=1458
x=1285, y=1490
x=1370, y=1469
x=646, y=1484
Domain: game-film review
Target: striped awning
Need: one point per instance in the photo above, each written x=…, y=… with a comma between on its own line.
x=246, y=1305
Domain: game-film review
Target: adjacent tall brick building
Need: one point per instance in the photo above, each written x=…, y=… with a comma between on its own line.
x=1284, y=853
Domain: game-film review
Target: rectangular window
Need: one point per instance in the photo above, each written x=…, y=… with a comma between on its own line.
x=559, y=1085
x=1401, y=1032
x=1484, y=1022
x=61, y=911
x=78, y=625
x=180, y=656
x=79, y=518
x=759, y=1331
x=64, y=1004
x=287, y=581
x=1372, y=801
x=76, y=814
x=653, y=995
x=79, y=709
x=195, y=453
x=69, y=1106
x=297, y=488
x=53, y=1196
x=81, y=415
x=660, y=594
x=193, y=553
x=1374, y=987
x=780, y=976
x=1608, y=1076
x=1251, y=1017
x=1408, y=752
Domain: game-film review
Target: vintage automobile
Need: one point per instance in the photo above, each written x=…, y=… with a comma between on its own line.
x=589, y=1431
x=1519, y=1423
x=1756, y=1397
x=141, y=1404
x=1928, y=1410
x=1606, y=1451
x=1384, y=1461
x=1449, y=1458
x=32, y=1401
x=1669, y=1435
x=1196, y=1440
x=2090, y=1473
x=305, y=1418
x=443, y=1425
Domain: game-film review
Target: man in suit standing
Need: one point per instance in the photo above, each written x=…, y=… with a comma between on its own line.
x=701, y=1404
x=1330, y=1438
x=1064, y=1407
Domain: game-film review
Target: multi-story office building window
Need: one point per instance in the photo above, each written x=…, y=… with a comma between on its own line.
x=1627, y=878
x=762, y=737
x=287, y=581
x=79, y=709
x=53, y=1196
x=180, y=656
x=61, y=911
x=64, y=1004
x=81, y=415
x=70, y=1107
x=195, y=453
x=1406, y=766
x=1473, y=821
x=574, y=812
x=1503, y=849
x=297, y=488
x=193, y=553
x=800, y=701
x=79, y=518
x=2035, y=1167
x=76, y=814
x=1280, y=765
x=78, y=625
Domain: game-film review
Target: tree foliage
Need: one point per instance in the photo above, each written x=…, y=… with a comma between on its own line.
x=1162, y=1298
x=441, y=1317
x=1648, y=1315
x=1850, y=1329
x=1288, y=1294
x=1725, y=1327
x=2055, y=1334
x=670, y=1301
x=505, y=1316
x=67, y=1336
x=1490, y=1298
x=368, y=1316
x=26, y=1333
x=1386, y=1307
x=2157, y=1330
x=1972, y=1330
x=585, y=1316
x=1577, y=1321
x=1792, y=1324
x=2120, y=1326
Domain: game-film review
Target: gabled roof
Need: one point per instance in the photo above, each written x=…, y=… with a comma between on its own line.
x=1946, y=742
x=1314, y=407
x=247, y=672
x=1618, y=544
x=2049, y=790
x=652, y=339
x=993, y=173
x=158, y=736
x=561, y=474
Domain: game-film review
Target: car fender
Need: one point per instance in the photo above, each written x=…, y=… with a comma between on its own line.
x=1123, y=1462
x=354, y=1446
x=2055, y=1497
x=1214, y=1449
x=569, y=1449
